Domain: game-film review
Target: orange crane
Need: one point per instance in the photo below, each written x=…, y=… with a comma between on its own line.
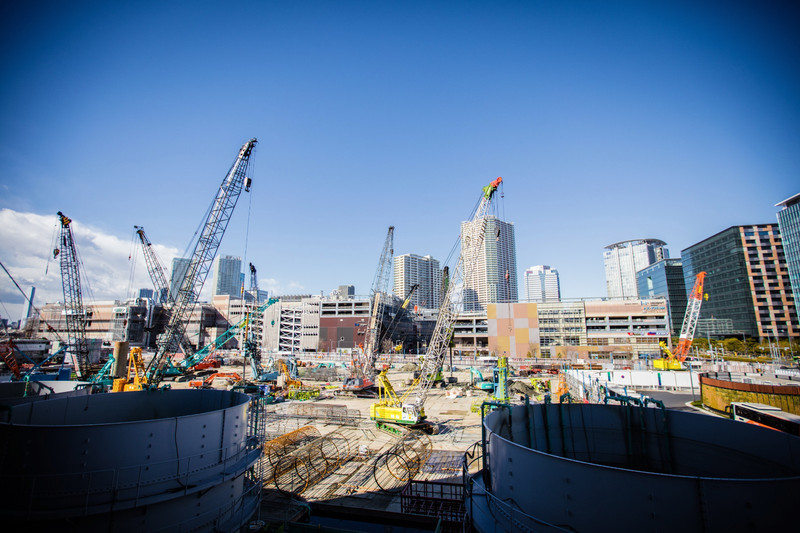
x=674, y=359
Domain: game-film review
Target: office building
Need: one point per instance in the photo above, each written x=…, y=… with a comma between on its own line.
x=179, y=267
x=493, y=276
x=664, y=279
x=411, y=269
x=542, y=284
x=591, y=330
x=227, y=276
x=746, y=280
x=624, y=259
x=789, y=223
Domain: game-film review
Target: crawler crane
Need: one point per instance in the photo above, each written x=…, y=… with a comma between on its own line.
x=674, y=360
x=408, y=410
x=200, y=263
x=362, y=375
x=75, y=313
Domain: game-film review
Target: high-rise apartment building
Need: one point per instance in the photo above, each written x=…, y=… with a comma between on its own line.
x=410, y=269
x=624, y=259
x=493, y=277
x=179, y=267
x=542, y=284
x=664, y=279
x=746, y=280
x=789, y=223
x=227, y=277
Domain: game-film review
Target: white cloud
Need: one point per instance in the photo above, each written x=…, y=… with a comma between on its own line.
x=27, y=241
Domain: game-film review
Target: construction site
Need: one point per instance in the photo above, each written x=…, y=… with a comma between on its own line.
x=182, y=439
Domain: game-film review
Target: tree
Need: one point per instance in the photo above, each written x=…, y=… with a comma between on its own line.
x=733, y=345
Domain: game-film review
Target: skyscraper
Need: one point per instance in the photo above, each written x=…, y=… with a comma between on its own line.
x=410, y=269
x=179, y=267
x=746, y=280
x=624, y=259
x=542, y=284
x=789, y=223
x=227, y=277
x=664, y=279
x=493, y=277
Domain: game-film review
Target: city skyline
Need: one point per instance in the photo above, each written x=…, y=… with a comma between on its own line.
x=667, y=120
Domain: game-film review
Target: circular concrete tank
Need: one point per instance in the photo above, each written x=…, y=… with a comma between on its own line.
x=587, y=467
x=135, y=461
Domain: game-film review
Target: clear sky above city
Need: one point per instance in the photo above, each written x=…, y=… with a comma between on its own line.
x=608, y=121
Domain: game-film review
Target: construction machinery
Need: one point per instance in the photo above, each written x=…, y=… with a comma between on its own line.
x=407, y=410
x=201, y=355
x=478, y=381
x=201, y=261
x=75, y=313
x=674, y=360
x=362, y=372
x=291, y=387
x=252, y=346
x=135, y=378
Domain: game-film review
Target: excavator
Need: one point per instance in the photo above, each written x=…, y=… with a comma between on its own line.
x=393, y=411
x=674, y=360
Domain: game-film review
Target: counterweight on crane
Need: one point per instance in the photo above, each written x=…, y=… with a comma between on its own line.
x=674, y=359
x=407, y=410
x=74, y=312
x=200, y=263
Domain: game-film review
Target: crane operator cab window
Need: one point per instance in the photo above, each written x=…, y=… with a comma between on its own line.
x=408, y=412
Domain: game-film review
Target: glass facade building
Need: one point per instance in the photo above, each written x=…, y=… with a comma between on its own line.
x=542, y=284
x=622, y=260
x=228, y=276
x=789, y=223
x=664, y=279
x=746, y=282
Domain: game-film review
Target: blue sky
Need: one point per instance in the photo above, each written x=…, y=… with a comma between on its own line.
x=607, y=120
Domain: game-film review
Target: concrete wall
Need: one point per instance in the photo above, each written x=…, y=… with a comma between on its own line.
x=718, y=394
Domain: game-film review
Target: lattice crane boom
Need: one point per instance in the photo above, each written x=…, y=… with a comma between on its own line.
x=200, y=263
x=159, y=278
x=74, y=311
x=380, y=290
x=453, y=301
x=690, y=319
x=157, y=274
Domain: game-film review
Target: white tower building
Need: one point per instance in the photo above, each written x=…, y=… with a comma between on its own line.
x=624, y=259
x=542, y=284
x=410, y=269
x=494, y=277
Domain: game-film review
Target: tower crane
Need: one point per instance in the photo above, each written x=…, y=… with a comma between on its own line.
x=363, y=371
x=200, y=263
x=409, y=411
x=74, y=311
x=674, y=359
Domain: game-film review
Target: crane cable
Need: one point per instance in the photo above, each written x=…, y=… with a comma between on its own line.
x=132, y=259
x=50, y=328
